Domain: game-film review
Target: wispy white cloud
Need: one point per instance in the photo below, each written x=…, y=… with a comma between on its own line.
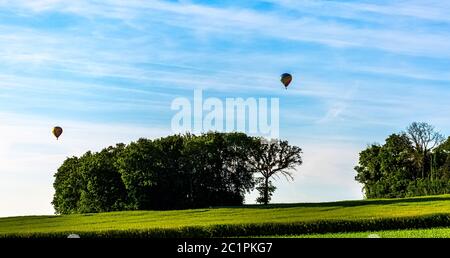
x=339, y=107
x=418, y=9
x=244, y=22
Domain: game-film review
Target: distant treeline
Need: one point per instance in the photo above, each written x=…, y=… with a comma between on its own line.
x=411, y=163
x=174, y=172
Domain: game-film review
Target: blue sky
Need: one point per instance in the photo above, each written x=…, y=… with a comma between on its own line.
x=108, y=71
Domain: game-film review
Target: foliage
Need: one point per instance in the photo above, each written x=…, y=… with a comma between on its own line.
x=428, y=187
x=68, y=186
x=265, y=191
x=408, y=164
x=173, y=172
x=271, y=158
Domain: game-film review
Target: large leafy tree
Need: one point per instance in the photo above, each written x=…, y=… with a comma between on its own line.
x=137, y=165
x=68, y=186
x=369, y=169
x=237, y=164
x=273, y=158
x=103, y=188
x=90, y=183
x=171, y=189
x=441, y=161
x=218, y=168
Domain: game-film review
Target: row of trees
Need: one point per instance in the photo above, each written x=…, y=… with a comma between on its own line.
x=410, y=163
x=174, y=172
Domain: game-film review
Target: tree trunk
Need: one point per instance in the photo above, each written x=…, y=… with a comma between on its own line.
x=266, y=191
x=423, y=165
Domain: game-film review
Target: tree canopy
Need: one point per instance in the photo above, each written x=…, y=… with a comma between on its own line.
x=411, y=163
x=270, y=159
x=173, y=172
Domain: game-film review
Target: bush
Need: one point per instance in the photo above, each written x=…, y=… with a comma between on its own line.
x=422, y=187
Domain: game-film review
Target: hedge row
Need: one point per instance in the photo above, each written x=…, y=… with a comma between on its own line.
x=262, y=229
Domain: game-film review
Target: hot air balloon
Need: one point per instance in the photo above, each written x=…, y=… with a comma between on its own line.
x=57, y=131
x=286, y=79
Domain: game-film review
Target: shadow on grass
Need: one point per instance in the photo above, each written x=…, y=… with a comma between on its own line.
x=345, y=203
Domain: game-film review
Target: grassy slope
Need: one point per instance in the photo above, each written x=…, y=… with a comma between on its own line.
x=282, y=213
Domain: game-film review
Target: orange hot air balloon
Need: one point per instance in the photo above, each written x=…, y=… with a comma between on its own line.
x=57, y=131
x=286, y=79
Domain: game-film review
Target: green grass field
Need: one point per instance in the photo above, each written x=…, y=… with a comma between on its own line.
x=406, y=233
x=250, y=220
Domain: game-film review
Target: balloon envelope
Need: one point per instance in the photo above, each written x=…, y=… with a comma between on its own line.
x=57, y=131
x=286, y=79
